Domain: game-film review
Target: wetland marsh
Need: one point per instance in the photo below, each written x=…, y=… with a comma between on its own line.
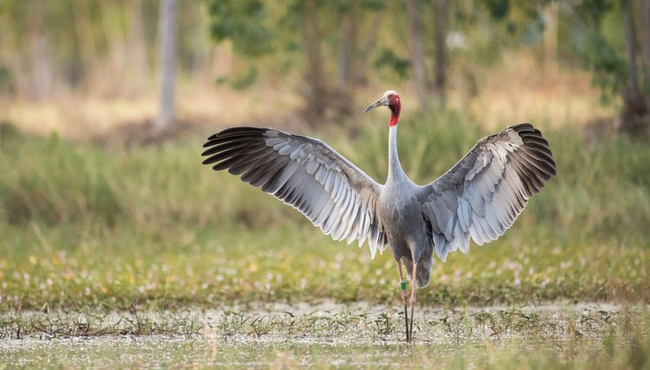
x=330, y=335
x=119, y=257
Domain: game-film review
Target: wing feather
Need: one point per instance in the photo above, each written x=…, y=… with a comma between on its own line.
x=482, y=195
x=307, y=174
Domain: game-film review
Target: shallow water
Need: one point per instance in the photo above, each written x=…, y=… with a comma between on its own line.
x=326, y=335
x=198, y=352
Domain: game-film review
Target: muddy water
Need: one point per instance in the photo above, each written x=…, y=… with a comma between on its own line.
x=325, y=335
x=175, y=352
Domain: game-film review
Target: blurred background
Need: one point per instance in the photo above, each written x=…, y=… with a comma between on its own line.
x=82, y=67
x=104, y=106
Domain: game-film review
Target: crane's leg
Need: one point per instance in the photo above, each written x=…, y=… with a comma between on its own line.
x=412, y=301
x=403, y=287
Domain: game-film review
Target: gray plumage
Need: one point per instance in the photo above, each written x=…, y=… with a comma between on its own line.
x=307, y=174
x=479, y=198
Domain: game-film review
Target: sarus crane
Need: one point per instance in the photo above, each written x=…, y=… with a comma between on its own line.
x=480, y=197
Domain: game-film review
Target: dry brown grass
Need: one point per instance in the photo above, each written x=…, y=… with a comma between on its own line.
x=78, y=117
x=525, y=91
x=520, y=91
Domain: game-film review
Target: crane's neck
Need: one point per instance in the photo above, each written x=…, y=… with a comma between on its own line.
x=395, y=171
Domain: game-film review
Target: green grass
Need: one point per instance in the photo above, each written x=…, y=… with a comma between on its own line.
x=109, y=227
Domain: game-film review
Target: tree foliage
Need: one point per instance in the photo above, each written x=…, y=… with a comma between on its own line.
x=104, y=47
x=325, y=50
x=606, y=38
x=595, y=43
x=246, y=23
x=320, y=38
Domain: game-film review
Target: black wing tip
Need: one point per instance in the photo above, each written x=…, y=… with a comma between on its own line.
x=231, y=134
x=208, y=161
x=236, y=131
x=209, y=143
x=223, y=148
x=534, y=138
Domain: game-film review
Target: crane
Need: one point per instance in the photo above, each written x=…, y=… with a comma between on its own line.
x=478, y=198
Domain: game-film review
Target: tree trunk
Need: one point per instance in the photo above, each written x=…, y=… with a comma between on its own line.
x=440, y=39
x=550, y=38
x=348, y=47
x=91, y=74
x=347, y=58
x=167, y=32
x=417, y=58
x=317, y=91
x=645, y=30
x=634, y=117
x=645, y=41
x=113, y=64
x=42, y=74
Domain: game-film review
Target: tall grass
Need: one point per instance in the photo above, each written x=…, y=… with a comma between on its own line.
x=83, y=224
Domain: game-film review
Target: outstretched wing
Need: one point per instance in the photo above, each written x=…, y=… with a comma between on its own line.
x=482, y=195
x=307, y=174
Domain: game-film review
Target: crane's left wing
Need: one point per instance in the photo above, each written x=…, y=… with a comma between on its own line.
x=483, y=194
x=307, y=174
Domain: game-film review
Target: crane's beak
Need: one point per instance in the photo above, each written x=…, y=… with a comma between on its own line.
x=383, y=101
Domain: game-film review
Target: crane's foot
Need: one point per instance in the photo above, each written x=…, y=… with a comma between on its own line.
x=412, y=301
x=406, y=325
x=410, y=329
x=403, y=290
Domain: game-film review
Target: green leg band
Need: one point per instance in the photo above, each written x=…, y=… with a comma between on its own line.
x=403, y=285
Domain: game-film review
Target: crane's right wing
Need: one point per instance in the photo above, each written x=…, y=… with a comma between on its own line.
x=307, y=174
